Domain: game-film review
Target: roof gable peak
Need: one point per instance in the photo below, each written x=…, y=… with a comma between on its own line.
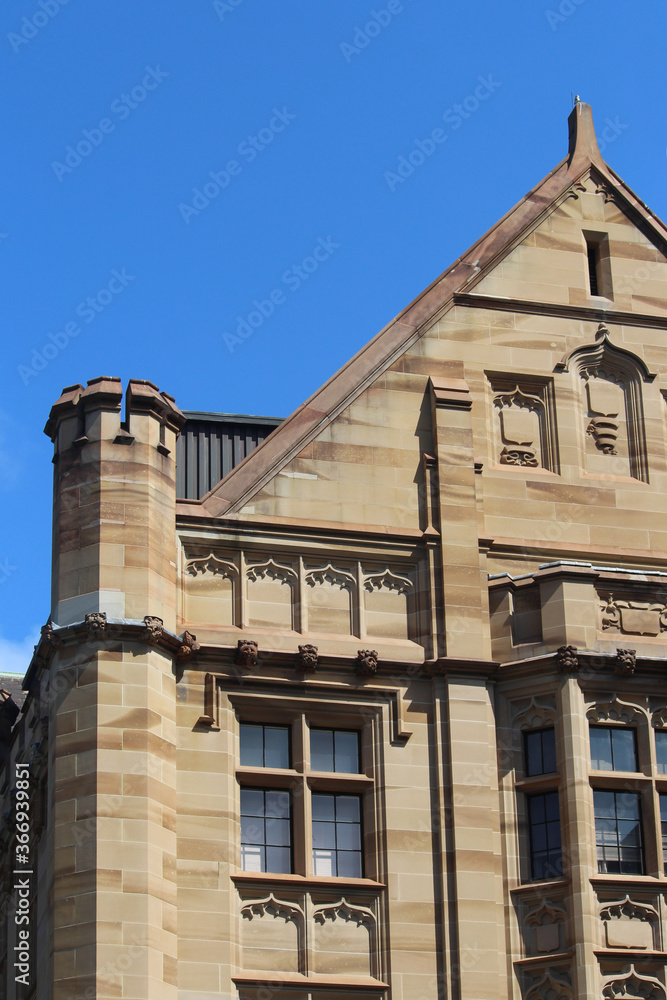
x=567, y=179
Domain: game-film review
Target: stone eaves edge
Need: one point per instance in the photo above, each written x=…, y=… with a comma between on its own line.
x=308, y=420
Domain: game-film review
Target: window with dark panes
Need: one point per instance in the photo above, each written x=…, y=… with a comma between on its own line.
x=663, y=825
x=264, y=746
x=613, y=748
x=540, y=752
x=661, y=750
x=334, y=750
x=337, y=835
x=266, y=830
x=546, y=856
x=618, y=833
x=526, y=615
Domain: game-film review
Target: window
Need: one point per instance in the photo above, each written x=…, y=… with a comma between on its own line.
x=593, y=251
x=540, y=752
x=264, y=746
x=661, y=750
x=546, y=857
x=266, y=830
x=526, y=615
x=663, y=824
x=599, y=263
x=613, y=748
x=334, y=750
x=337, y=835
x=618, y=833
x=302, y=797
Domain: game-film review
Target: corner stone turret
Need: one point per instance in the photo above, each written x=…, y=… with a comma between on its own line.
x=112, y=694
x=114, y=501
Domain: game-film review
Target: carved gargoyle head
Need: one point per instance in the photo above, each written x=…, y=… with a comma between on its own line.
x=246, y=653
x=566, y=657
x=626, y=661
x=189, y=645
x=307, y=657
x=367, y=662
x=154, y=629
x=50, y=635
x=96, y=623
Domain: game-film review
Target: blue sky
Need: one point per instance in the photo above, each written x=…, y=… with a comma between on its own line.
x=169, y=169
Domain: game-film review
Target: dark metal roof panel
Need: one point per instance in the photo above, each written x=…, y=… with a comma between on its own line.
x=211, y=444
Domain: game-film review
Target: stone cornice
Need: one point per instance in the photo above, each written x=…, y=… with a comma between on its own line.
x=542, y=550
x=190, y=515
x=587, y=663
x=595, y=314
x=569, y=569
x=96, y=627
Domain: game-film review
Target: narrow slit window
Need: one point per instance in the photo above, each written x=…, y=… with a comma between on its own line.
x=546, y=856
x=593, y=250
x=598, y=260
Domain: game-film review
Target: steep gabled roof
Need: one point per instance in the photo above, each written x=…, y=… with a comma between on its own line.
x=292, y=436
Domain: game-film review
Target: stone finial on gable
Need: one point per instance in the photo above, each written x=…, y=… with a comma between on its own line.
x=583, y=145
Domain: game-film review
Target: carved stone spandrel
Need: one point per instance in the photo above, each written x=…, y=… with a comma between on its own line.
x=520, y=416
x=615, y=709
x=634, y=986
x=552, y=986
x=272, y=935
x=344, y=939
x=629, y=924
x=545, y=923
x=632, y=617
x=535, y=713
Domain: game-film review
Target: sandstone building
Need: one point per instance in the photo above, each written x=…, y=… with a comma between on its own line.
x=383, y=713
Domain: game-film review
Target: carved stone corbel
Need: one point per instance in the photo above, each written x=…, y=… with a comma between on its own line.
x=246, y=653
x=367, y=662
x=50, y=635
x=188, y=647
x=567, y=659
x=307, y=658
x=96, y=624
x=625, y=662
x=154, y=629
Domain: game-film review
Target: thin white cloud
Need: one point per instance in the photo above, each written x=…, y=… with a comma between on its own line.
x=15, y=655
